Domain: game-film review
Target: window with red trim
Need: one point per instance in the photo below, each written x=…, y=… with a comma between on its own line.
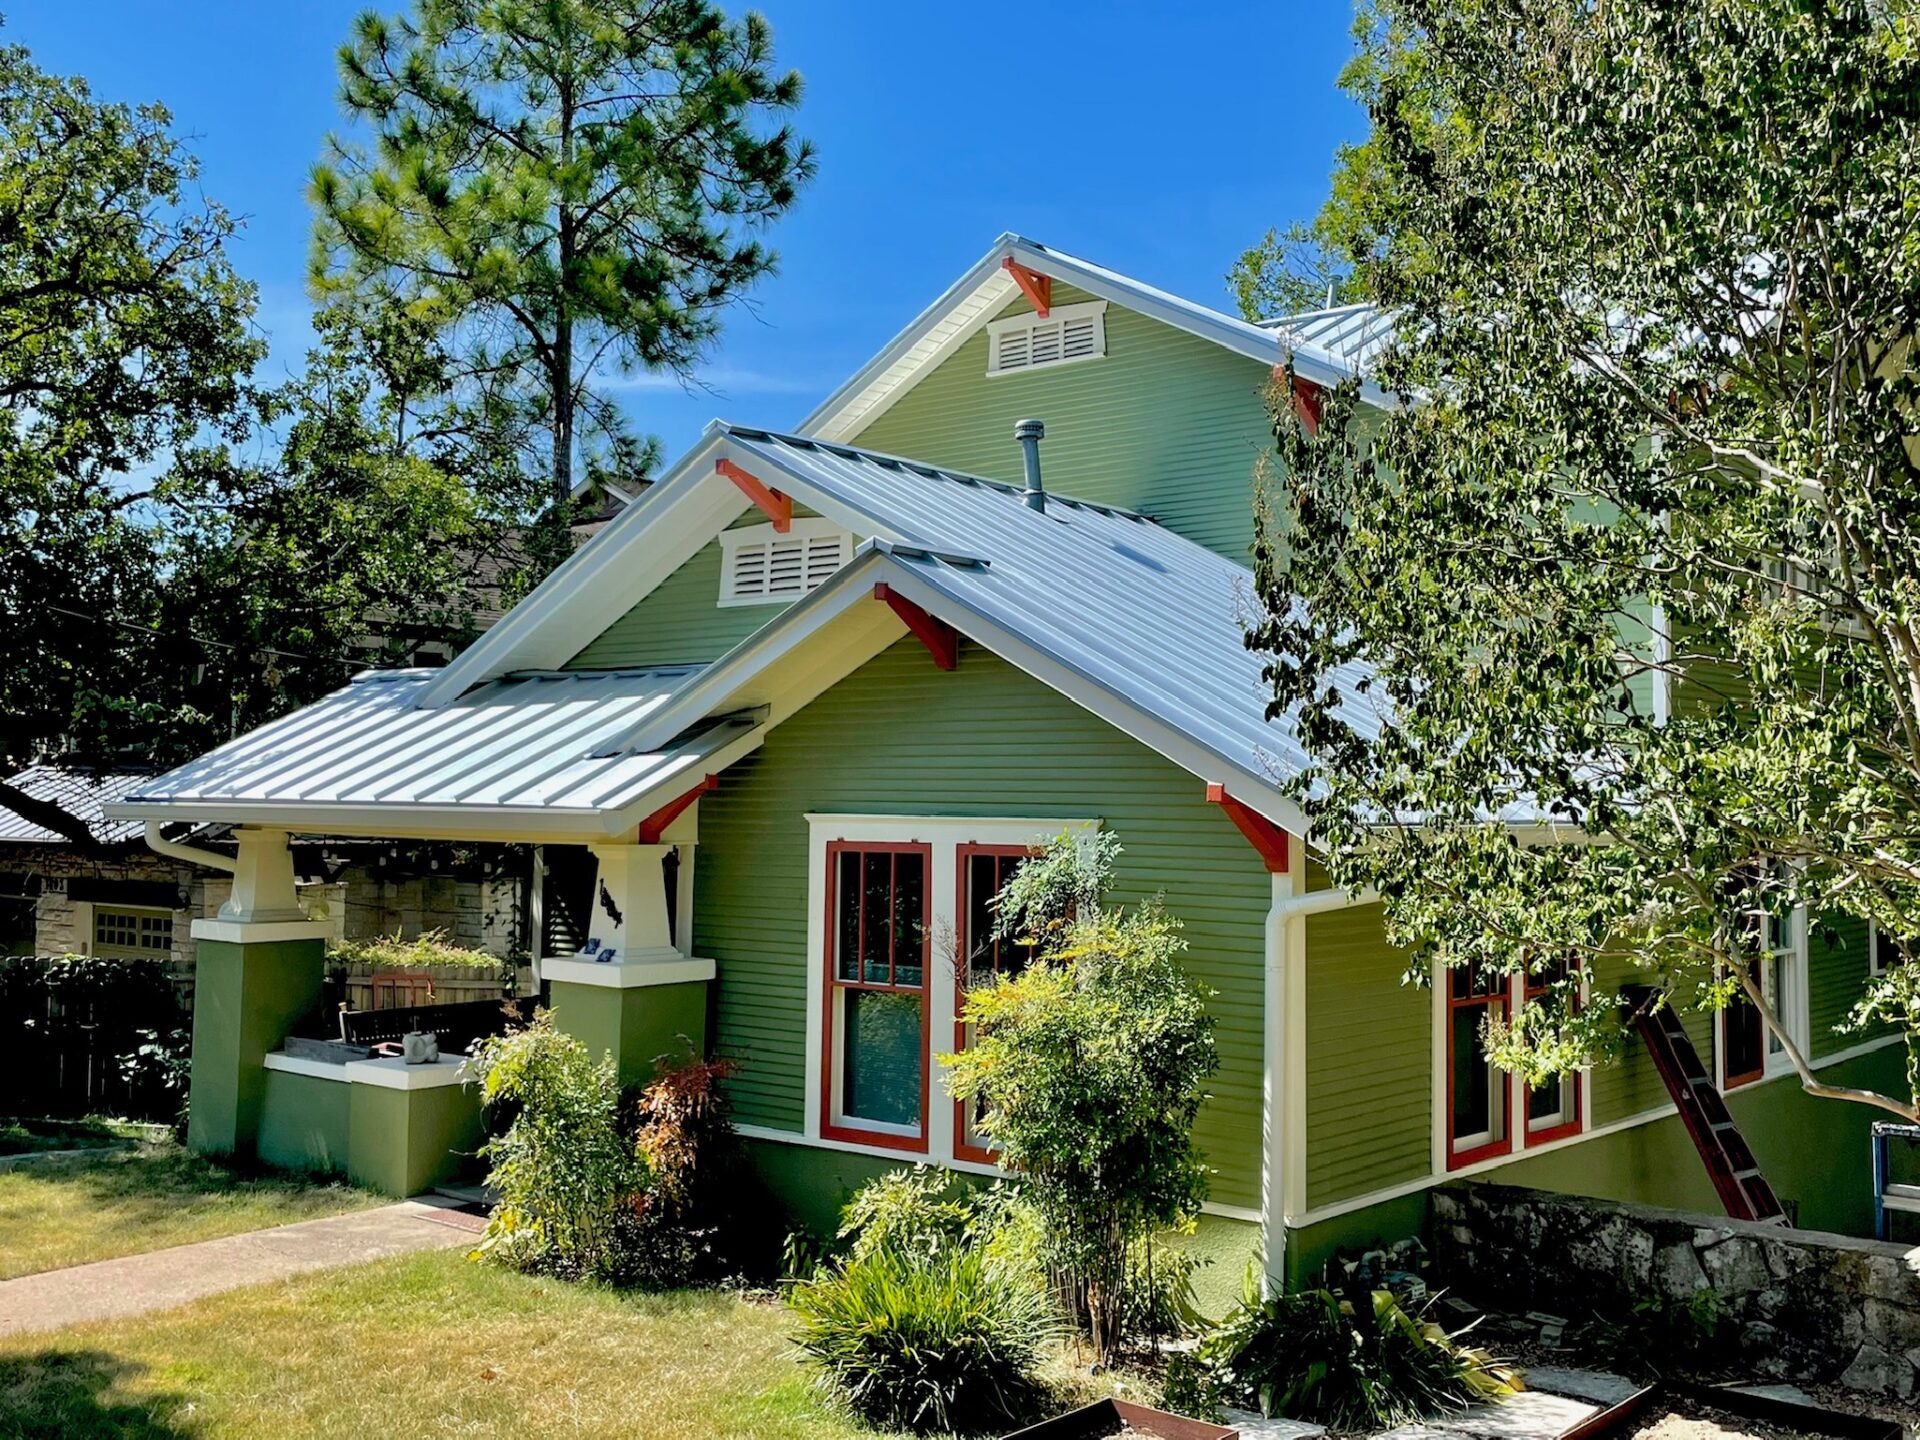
x=983, y=870
x=1553, y=1109
x=874, y=1040
x=1477, y=1093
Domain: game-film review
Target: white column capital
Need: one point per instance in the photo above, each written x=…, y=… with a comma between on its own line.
x=263, y=889
x=629, y=909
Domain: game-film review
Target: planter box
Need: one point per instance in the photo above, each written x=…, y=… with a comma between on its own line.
x=1108, y=1417
x=1649, y=1404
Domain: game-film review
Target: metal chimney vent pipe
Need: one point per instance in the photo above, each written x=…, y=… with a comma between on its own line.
x=1030, y=433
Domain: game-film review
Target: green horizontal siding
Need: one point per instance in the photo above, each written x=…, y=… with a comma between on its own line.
x=1369, y=1061
x=1838, y=963
x=902, y=737
x=1166, y=423
x=681, y=622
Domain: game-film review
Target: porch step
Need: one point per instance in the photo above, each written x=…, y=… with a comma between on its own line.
x=477, y=1196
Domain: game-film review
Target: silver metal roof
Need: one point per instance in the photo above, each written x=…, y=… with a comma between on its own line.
x=1149, y=618
x=80, y=795
x=1352, y=335
x=524, y=742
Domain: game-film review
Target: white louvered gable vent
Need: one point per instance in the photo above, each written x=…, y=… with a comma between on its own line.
x=760, y=566
x=1026, y=342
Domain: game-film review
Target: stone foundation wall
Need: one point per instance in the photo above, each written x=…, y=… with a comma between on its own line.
x=1805, y=1305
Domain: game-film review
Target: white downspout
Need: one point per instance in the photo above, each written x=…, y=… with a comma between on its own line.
x=1283, y=1179
x=192, y=854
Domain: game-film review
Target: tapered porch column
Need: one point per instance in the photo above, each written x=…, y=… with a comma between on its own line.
x=257, y=970
x=631, y=992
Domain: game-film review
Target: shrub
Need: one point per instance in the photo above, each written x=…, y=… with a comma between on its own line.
x=427, y=951
x=1309, y=1356
x=1092, y=1066
x=563, y=1171
x=950, y=1340
x=673, y=1233
x=1664, y=1336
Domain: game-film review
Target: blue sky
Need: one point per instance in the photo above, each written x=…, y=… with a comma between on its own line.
x=1159, y=139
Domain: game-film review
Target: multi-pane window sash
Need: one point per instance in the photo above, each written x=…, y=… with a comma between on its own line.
x=1478, y=1094
x=983, y=871
x=1553, y=1109
x=874, y=1037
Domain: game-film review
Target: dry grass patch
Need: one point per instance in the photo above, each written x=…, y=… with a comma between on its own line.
x=69, y=1210
x=424, y=1345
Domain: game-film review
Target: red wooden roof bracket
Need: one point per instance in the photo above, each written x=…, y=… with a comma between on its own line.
x=775, y=505
x=655, y=825
x=941, y=639
x=1036, y=287
x=1265, y=836
x=1307, y=398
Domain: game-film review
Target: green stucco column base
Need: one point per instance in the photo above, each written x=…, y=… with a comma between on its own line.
x=252, y=981
x=639, y=1012
x=402, y=1142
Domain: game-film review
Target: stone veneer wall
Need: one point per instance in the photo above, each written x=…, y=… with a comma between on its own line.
x=1807, y=1305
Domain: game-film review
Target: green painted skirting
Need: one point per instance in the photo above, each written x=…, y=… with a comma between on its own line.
x=808, y=1185
x=640, y=1026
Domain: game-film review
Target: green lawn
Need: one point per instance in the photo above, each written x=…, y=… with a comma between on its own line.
x=25, y=1137
x=423, y=1345
x=68, y=1210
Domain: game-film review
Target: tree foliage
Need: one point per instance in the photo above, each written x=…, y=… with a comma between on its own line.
x=1635, y=556
x=1092, y=1065
x=570, y=189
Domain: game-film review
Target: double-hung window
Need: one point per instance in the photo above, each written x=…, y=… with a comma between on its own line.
x=874, y=1040
x=983, y=870
x=1750, y=1051
x=1478, y=1093
x=1553, y=1107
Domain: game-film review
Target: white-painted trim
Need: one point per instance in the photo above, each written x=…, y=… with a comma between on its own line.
x=1030, y=321
x=942, y=834
x=261, y=932
x=1334, y=1209
x=965, y=1167
x=627, y=974
x=397, y=1074
x=306, y=1065
x=1874, y=967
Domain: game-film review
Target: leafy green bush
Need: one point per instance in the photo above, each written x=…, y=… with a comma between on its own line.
x=563, y=1170
x=1092, y=1065
x=1665, y=1337
x=674, y=1232
x=948, y=1340
x=1308, y=1356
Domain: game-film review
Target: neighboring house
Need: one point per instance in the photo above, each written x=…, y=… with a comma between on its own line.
x=806, y=700
x=122, y=899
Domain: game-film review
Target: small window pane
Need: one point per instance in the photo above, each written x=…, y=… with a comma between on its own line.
x=877, y=888
x=909, y=917
x=1551, y=1104
x=846, y=889
x=881, y=1049
x=1473, y=1111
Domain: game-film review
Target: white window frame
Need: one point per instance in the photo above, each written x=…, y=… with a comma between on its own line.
x=1874, y=967
x=1060, y=315
x=1787, y=995
x=1521, y=1135
x=91, y=919
x=944, y=835
x=806, y=530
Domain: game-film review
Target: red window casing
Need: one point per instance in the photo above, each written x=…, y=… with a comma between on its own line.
x=837, y=986
x=980, y=957
x=1471, y=998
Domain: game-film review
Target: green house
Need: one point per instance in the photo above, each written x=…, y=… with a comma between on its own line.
x=795, y=713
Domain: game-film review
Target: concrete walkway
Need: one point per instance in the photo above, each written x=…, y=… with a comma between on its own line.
x=162, y=1279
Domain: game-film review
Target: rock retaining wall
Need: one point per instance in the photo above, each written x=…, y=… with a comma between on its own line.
x=1805, y=1305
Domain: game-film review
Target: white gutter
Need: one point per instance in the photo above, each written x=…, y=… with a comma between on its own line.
x=192, y=854
x=1283, y=1175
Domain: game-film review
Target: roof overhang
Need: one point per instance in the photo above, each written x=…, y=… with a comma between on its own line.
x=503, y=824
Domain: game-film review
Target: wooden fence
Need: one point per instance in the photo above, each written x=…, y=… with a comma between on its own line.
x=84, y=1035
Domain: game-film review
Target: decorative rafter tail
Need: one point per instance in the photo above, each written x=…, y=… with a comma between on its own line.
x=655, y=825
x=1307, y=398
x=1269, y=839
x=941, y=639
x=776, y=505
x=1036, y=287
